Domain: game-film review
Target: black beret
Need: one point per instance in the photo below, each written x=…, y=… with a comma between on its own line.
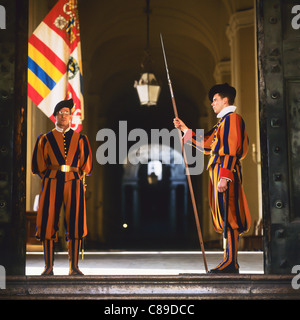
x=224, y=88
x=63, y=104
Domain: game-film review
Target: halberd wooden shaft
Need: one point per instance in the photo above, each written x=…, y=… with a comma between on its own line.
x=185, y=160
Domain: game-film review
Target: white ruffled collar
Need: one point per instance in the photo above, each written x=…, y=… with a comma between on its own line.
x=226, y=110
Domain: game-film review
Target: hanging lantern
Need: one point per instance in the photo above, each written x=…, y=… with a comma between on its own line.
x=148, y=89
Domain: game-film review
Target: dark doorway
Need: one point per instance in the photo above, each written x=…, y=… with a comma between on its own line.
x=154, y=199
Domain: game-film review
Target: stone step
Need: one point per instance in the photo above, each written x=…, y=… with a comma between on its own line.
x=181, y=286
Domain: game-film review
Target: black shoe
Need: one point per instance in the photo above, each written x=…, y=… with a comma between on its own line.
x=74, y=271
x=225, y=270
x=47, y=272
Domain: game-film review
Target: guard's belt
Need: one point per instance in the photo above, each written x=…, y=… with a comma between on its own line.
x=64, y=168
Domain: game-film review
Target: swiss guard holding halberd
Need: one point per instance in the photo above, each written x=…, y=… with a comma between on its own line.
x=226, y=144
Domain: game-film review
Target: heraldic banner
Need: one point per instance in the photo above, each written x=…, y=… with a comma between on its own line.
x=54, y=62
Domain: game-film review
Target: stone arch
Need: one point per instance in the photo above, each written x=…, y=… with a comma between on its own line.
x=164, y=215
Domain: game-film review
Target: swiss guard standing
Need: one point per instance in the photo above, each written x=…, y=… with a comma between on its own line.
x=61, y=158
x=226, y=144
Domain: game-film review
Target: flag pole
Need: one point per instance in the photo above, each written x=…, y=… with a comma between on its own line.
x=185, y=161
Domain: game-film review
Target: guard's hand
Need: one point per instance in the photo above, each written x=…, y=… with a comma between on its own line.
x=180, y=124
x=222, y=185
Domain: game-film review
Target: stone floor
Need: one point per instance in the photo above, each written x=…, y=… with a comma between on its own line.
x=144, y=262
x=155, y=275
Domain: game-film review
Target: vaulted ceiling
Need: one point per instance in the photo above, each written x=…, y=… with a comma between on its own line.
x=113, y=36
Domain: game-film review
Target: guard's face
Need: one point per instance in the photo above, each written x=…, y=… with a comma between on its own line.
x=63, y=118
x=219, y=103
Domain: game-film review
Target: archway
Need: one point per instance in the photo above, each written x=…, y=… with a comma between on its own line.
x=111, y=60
x=154, y=198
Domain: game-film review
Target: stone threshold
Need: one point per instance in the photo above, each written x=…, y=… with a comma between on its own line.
x=181, y=286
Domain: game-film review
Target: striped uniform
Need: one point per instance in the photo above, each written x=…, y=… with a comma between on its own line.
x=52, y=150
x=227, y=144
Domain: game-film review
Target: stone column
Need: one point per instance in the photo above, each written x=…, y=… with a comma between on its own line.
x=241, y=35
x=222, y=72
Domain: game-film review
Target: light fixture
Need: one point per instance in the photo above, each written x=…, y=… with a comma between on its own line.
x=147, y=87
